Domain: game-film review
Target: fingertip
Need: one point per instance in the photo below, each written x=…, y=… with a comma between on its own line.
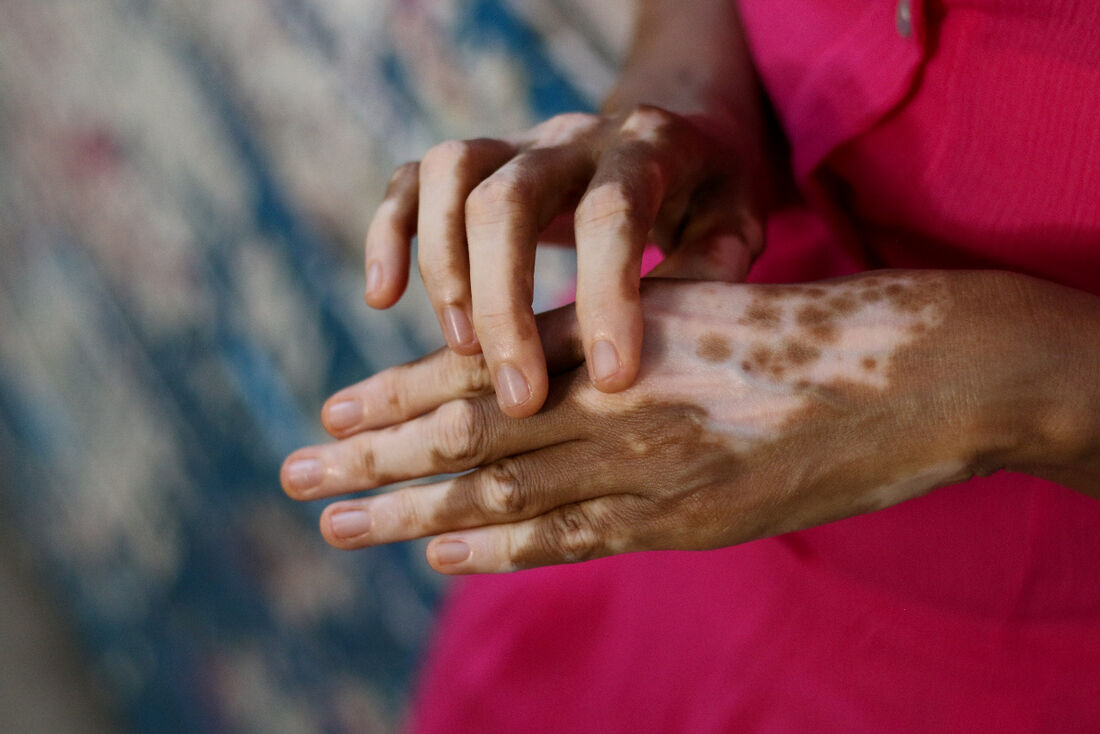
x=611, y=369
x=378, y=300
x=520, y=392
x=325, y=525
x=387, y=248
x=458, y=330
x=341, y=414
x=450, y=555
x=604, y=363
x=346, y=526
x=301, y=474
x=526, y=410
x=613, y=337
x=385, y=285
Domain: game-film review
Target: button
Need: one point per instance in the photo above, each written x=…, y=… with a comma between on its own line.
x=903, y=19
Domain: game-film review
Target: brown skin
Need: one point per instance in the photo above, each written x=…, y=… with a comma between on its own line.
x=921, y=379
x=748, y=411
x=681, y=155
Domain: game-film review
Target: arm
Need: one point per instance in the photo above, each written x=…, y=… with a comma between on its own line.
x=759, y=410
x=691, y=57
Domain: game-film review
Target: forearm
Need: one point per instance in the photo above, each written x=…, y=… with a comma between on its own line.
x=691, y=57
x=688, y=56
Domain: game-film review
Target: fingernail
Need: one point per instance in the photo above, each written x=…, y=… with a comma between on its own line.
x=605, y=360
x=344, y=414
x=459, y=330
x=350, y=523
x=305, y=474
x=513, y=388
x=452, y=551
x=374, y=277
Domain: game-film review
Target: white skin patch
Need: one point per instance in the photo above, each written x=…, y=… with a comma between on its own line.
x=563, y=130
x=647, y=126
x=772, y=355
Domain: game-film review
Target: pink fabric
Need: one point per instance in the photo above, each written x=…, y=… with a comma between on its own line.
x=973, y=142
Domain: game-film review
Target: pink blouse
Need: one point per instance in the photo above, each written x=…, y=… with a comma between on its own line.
x=926, y=135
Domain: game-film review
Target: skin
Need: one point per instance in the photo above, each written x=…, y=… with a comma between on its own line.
x=758, y=410
x=746, y=411
x=679, y=155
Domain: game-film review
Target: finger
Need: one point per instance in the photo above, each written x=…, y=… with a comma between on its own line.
x=406, y=391
x=401, y=393
x=613, y=221
x=389, y=237
x=504, y=216
x=449, y=172
x=457, y=436
x=570, y=533
x=505, y=491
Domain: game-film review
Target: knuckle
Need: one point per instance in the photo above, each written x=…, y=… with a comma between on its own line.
x=402, y=173
x=461, y=432
x=508, y=331
x=402, y=180
x=646, y=119
x=407, y=513
x=470, y=375
x=437, y=270
x=394, y=393
x=502, y=491
x=497, y=196
x=615, y=297
x=566, y=127
x=364, y=466
x=570, y=533
x=499, y=317
x=588, y=398
x=577, y=119
x=447, y=156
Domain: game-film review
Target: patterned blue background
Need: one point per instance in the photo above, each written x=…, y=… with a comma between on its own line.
x=183, y=191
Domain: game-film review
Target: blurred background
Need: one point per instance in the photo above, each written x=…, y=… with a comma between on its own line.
x=184, y=187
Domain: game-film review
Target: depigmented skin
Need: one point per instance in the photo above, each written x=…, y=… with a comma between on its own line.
x=743, y=423
x=788, y=336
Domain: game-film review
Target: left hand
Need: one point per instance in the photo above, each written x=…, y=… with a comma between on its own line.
x=758, y=410
x=697, y=185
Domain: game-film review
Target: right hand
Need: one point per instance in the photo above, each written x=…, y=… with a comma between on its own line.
x=692, y=184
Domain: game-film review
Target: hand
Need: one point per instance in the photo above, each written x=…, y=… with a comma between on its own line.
x=692, y=184
x=758, y=410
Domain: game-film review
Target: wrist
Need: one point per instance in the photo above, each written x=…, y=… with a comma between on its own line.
x=1037, y=378
x=691, y=58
